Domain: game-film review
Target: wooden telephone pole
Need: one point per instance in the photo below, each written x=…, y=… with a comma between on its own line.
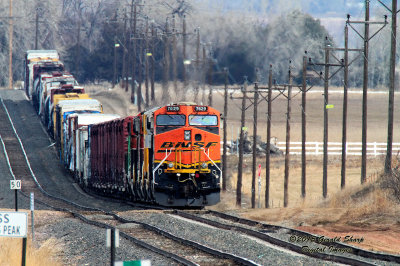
x=10, y=48
x=392, y=70
x=366, y=38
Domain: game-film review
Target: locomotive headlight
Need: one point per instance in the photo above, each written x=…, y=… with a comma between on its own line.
x=187, y=135
x=170, y=165
x=204, y=165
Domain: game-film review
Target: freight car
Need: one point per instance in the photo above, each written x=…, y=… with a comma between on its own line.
x=76, y=148
x=168, y=155
x=37, y=62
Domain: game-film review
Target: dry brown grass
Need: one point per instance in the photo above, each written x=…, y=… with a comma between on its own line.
x=313, y=181
x=377, y=118
x=11, y=252
x=44, y=251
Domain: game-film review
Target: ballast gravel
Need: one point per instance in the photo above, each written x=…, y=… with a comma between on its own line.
x=82, y=244
x=258, y=251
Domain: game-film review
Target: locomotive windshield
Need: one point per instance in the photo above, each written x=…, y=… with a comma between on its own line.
x=203, y=120
x=171, y=120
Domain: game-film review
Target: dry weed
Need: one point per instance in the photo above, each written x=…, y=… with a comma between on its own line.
x=46, y=254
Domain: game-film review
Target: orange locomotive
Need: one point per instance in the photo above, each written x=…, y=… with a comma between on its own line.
x=168, y=155
x=187, y=155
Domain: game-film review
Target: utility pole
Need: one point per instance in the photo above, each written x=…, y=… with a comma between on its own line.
x=341, y=64
x=304, y=89
x=10, y=48
x=287, y=154
x=124, y=71
x=394, y=11
x=115, y=62
x=365, y=91
x=366, y=38
x=140, y=76
x=129, y=71
x=254, y=166
x=303, y=128
x=203, y=95
x=146, y=62
x=37, y=21
x=254, y=101
x=326, y=101
x=78, y=44
x=152, y=74
x=184, y=41
x=344, y=120
x=241, y=147
x=165, y=93
x=224, y=147
x=267, y=157
x=174, y=57
x=197, y=63
x=36, y=29
x=133, y=81
x=210, y=78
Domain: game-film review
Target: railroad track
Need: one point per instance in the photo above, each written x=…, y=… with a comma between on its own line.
x=148, y=237
x=155, y=239
x=290, y=239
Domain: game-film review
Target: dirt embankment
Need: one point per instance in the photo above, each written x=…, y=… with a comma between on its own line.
x=367, y=216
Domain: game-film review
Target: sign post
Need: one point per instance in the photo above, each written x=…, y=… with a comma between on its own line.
x=32, y=217
x=259, y=185
x=112, y=241
x=15, y=185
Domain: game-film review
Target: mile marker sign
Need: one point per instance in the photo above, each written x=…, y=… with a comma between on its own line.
x=13, y=224
x=15, y=184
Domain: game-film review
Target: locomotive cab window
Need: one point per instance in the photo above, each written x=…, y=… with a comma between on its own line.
x=203, y=120
x=171, y=120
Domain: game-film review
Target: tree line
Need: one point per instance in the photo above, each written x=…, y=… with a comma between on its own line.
x=86, y=32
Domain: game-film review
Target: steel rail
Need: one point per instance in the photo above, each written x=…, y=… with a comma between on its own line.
x=273, y=240
x=358, y=251
x=239, y=260
x=80, y=216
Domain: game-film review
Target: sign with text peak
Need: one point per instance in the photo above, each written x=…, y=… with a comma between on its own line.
x=13, y=224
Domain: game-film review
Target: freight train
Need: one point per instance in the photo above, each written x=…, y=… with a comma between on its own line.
x=168, y=155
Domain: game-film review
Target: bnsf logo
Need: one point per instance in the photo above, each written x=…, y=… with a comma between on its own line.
x=199, y=144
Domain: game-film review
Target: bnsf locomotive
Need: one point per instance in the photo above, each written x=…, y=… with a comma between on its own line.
x=167, y=155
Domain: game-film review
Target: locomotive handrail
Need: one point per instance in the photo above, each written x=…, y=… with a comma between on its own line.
x=162, y=161
x=204, y=150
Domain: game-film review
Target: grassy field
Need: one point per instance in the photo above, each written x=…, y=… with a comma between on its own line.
x=376, y=132
x=376, y=124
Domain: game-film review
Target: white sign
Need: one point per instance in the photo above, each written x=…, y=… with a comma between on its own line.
x=108, y=238
x=32, y=201
x=15, y=184
x=13, y=224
